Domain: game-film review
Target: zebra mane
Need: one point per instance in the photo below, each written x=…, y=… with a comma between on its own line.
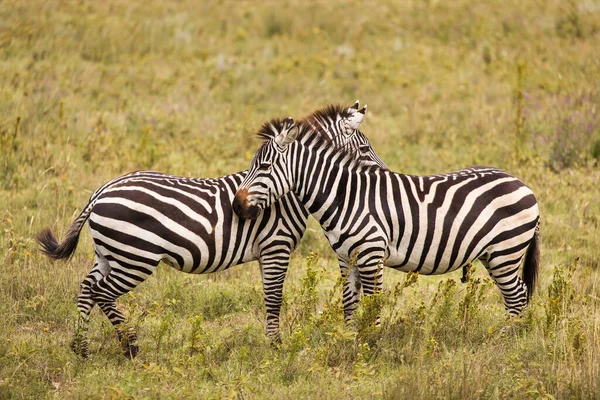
x=313, y=126
x=308, y=124
x=270, y=129
x=329, y=112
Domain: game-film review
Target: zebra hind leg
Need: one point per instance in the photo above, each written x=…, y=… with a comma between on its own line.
x=85, y=304
x=121, y=279
x=504, y=270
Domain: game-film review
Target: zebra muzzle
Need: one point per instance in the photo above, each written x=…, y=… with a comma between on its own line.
x=242, y=207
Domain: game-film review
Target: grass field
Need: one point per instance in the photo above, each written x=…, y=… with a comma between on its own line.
x=91, y=90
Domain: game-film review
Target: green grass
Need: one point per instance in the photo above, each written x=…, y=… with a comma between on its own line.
x=91, y=90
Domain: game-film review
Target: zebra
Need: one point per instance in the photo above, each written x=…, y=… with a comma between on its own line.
x=372, y=216
x=145, y=217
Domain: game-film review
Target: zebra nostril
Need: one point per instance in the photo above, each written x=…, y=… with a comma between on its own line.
x=240, y=202
x=252, y=212
x=237, y=206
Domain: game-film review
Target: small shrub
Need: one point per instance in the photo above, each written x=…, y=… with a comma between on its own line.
x=290, y=368
x=470, y=305
x=561, y=295
x=444, y=309
x=570, y=25
x=196, y=334
x=574, y=143
x=301, y=305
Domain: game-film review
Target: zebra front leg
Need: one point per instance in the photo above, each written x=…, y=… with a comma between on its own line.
x=351, y=289
x=365, y=270
x=371, y=277
x=273, y=270
x=121, y=279
x=85, y=304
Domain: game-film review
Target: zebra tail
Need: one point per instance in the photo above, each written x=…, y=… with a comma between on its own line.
x=532, y=262
x=55, y=250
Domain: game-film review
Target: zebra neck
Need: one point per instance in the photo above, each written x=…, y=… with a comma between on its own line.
x=323, y=184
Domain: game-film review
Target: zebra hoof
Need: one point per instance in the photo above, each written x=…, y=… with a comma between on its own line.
x=132, y=350
x=275, y=341
x=80, y=347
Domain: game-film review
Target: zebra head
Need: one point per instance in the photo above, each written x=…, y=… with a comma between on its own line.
x=341, y=125
x=267, y=179
x=269, y=176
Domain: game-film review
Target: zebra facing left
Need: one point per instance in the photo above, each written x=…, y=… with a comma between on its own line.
x=145, y=217
x=430, y=224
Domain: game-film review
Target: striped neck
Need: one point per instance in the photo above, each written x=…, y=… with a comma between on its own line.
x=321, y=179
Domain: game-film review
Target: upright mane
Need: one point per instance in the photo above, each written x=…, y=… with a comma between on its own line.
x=312, y=122
x=270, y=129
x=313, y=128
x=315, y=124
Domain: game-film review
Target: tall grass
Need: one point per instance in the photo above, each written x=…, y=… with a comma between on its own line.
x=91, y=90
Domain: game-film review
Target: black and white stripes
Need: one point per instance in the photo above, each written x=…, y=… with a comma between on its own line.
x=321, y=165
x=145, y=217
x=430, y=224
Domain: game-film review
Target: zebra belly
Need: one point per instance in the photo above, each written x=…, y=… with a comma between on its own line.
x=412, y=265
x=397, y=260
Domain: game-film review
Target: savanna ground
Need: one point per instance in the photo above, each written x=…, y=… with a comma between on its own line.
x=91, y=90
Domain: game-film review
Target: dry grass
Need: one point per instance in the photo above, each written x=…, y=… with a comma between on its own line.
x=90, y=90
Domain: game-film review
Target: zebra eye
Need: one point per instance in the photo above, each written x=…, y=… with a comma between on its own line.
x=264, y=167
x=364, y=148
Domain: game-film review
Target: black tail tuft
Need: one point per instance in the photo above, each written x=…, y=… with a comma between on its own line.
x=53, y=249
x=532, y=263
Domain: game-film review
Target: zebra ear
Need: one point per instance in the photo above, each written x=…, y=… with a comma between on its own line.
x=357, y=117
x=287, y=136
x=354, y=107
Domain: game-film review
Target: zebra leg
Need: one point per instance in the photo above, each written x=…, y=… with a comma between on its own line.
x=273, y=268
x=371, y=276
x=351, y=290
x=465, y=273
x=504, y=270
x=121, y=279
x=368, y=275
x=85, y=304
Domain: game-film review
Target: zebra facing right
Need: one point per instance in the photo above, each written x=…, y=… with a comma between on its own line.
x=429, y=224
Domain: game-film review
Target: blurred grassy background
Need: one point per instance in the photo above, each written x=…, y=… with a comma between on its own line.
x=91, y=90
